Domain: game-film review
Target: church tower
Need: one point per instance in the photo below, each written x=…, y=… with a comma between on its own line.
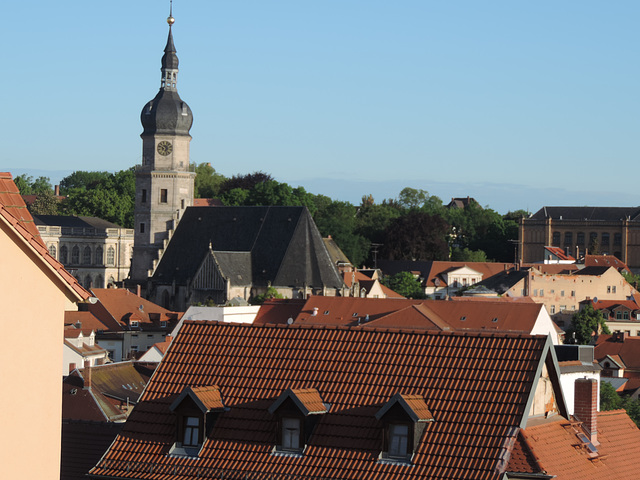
x=164, y=181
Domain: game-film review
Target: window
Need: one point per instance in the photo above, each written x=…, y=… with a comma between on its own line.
x=163, y=195
x=617, y=239
x=535, y=292
x=556, y=239
x=580, y=239
x=398, y=440
x=541, y=292
x=563, y=308
x=142, y=228
x=133, y=323
x=568, y=238
x=605, y=239
x=613, y=289
x=75, y=255
x=573, y=293
x=98, y=256
x=86, y=256
x=163, y=324
x=52, y=250
x=191, y=432
x=553, y=309
x=144, y=195
x=562, y=293
x=111, y=256
x=64, y=254
x=593, y=238
x=182, y=204
x=608, y=288
x=87, y=282
x=291, y=430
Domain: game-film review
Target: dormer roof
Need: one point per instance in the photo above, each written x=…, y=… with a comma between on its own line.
x=206, y=398
x=308, y=400
x=413, y=405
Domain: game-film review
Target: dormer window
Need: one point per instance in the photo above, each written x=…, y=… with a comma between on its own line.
x=196, y=410
x=404, y=418
x=296, y=413
x=133, y=324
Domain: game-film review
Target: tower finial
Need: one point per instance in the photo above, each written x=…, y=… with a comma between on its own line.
x=170, y=19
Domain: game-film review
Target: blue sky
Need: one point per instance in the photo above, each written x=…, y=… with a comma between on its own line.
x=519, y=104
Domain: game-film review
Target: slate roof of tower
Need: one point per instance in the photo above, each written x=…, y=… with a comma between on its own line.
x=285, y=245
x=477, y=386
x=608, y=214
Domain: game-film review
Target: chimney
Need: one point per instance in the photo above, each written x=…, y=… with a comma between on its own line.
x=620, y=337
x=56, y=190
x=138, y=289
x=315, y=312
x=72, y=367
x=87, y=375
x=586, y=406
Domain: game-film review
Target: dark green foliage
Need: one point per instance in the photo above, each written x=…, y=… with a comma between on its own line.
x=585, y=324
x=246, y=182
x=106, y=195
x=207, y=183
x=338, y=219
x=81, y=180
x=28, y=186
x=416, y=236
x=268, y=295
x=45, y=203
x=631, y=279
x=611, y=400
x=466, y=255
x=405, y=284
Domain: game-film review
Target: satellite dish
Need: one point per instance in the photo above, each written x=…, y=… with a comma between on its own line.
x=290, y=321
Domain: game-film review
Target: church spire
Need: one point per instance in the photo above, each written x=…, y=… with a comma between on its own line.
x=170, y=59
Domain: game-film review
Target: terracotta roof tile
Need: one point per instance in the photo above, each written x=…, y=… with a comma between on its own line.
x=356, y=371
x=14, y=212
x=558, y=451
x=628, y=350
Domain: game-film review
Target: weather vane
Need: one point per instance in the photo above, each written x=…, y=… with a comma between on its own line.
x=170, y=19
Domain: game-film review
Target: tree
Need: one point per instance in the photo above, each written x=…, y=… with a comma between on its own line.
x=28, y=186
x=270, y=294
x=405, y=284
x=466, y=255
x=633, y=280
x=247, y=182
x=585, y=324
x=609, y=398
x=207, y=183
x=45, y=203
x=82, y=180
x=416, y=236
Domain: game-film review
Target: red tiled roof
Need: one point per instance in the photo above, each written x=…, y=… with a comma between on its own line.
x=560, y=253
x=278, y=311
x=14, y=212
x=628, y=351
x=207, y=202
x=611, y=304
x=209, y=396
x=89, y=320
x=557, y=450
x=475, y=385
x=438, y=268
x=605, y=261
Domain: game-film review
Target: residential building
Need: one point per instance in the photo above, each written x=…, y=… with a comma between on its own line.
x=561, y=293
x=558, y=255
x=80, y=348
x=620, y=315
x=577, y=362
x=291, y=401
x=35, y=290
x=164, y=180
x=367, y=285
x=603, y=230
x=97, y=252
x=219, y=253
x=126, y=324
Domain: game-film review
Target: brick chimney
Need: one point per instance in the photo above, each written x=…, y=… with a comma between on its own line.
x=72, y=367
x=56, y=190
x=86, y=374
x=586, y=406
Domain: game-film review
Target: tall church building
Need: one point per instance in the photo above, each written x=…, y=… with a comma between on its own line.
x=164, y=182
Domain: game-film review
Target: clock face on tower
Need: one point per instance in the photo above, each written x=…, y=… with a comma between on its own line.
x=165, y=148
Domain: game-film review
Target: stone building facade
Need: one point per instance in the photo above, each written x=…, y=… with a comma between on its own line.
x=96, y=252
x=598, y=230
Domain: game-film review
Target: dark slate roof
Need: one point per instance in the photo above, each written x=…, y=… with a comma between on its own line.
x=236, y=266
x=503, y=281
x=73, y=222
x=163, y=115
x=592, y=271
x=83, y=444
x=607, y=214
x=285, y=245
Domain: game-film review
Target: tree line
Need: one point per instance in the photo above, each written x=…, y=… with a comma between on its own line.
x=413, y=226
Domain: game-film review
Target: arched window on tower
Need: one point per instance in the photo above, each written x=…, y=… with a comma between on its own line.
x=98, y=257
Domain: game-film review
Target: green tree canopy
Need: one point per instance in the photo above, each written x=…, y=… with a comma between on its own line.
x=585, y=324
x=207, y=183
x=28, y=186
x=45, y=203
x=405, y=284
x=81, y=180
x=416, y=236
x=466, y=255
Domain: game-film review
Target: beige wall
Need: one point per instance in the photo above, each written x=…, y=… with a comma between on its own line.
x=33, y=305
